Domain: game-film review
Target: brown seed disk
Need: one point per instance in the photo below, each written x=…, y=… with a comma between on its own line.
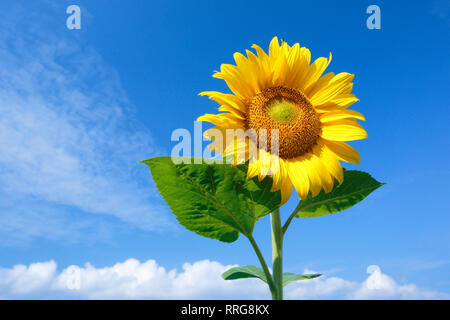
x=298, y=134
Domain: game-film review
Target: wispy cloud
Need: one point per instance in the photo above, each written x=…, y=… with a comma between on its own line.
x=69, y=140
x=133, y=279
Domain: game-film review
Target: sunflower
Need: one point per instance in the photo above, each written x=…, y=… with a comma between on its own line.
x=283, y=91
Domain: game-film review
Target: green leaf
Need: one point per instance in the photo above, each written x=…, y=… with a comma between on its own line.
x=214, y=200
x=244, y=272
x=256, y=272
x=290, y=277
x=356, y=186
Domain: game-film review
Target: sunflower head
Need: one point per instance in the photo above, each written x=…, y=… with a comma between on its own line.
x=282, y=92
x=288, y=111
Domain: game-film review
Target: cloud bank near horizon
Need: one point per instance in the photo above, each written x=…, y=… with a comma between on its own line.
x=133, y=279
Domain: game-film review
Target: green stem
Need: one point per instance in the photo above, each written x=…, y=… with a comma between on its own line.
x=277, y=254
x=263, y=265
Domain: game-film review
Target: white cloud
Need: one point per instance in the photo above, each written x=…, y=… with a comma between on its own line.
x=69, y=141
x=380, y=286
x=136, y=280
x=133, y=279
x=23, y=280
x=320, y=288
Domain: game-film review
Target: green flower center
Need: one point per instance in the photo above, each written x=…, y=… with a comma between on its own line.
x=281, y=110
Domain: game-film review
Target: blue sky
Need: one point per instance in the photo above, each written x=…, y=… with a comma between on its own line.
x=81, y=107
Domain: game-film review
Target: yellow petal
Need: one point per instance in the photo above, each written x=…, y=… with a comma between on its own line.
x=340, y=102
x=238, y=114
x=343, y=151
x=331, y=162
x=264, y=64
x=259, y=70
x=249, y=73
x=238, y=149
x=234, y=79
x=327, y=181
x=226, y=100
x=280, y=69
x=294, y=55
x=298, y=176
x=265, y=163
x=214, y=133
x=315, y=182
x=226, y=120
x=341, y=114
x=327, y=90
x=274, y=48
x=315, y=71
x=282, y=182
x=343, y=130
x=253, y=169
x=306, y=54
x=286, y=190
x=299, y=66
x=319, y=84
